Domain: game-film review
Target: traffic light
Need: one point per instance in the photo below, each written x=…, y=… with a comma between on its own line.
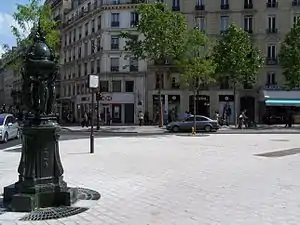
x=98, y=96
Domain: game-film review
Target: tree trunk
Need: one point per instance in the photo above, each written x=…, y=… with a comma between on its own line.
x=161, y=113
x=234, y=105
x=195, y=109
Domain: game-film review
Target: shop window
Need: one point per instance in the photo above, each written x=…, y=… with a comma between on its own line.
x=104, y=86
x=129, y=86
x=116, y=86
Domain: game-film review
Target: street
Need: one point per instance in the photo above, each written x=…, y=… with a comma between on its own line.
x=178, y=179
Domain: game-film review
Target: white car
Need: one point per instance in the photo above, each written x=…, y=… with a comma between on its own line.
x=9, y=128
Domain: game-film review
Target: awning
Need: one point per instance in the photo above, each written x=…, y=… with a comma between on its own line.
x=282, y=102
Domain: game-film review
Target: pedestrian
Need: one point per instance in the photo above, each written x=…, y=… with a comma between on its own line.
x=141, y=118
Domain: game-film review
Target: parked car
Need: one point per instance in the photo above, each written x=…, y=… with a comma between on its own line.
x=202, y=123
x=9, y=128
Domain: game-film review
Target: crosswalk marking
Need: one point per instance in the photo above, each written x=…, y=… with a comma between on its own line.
x=12, y=148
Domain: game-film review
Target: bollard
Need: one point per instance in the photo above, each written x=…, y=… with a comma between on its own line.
x=193, y=131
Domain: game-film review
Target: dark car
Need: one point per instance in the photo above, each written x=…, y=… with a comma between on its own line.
x=202, y=123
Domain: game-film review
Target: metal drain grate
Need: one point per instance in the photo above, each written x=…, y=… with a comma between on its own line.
x=53, y=213
x=87, y=194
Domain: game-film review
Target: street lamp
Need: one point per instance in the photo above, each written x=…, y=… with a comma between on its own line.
x=93, y=84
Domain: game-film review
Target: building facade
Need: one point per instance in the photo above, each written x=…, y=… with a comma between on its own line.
x=91, y=45
x=267, y=21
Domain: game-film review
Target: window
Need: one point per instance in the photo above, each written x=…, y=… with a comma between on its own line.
x=93, y=25
x=200, y=23
x=248, y=24
x=159, y=80
x=272, y=22
x=86, y=49
x=79, y=32
x=85, y=69
x=89, y=6
x=92, y=46
x=133, y=64
x=79, y=70
x=114, y=64
x=224, y=23
x=86, y=29
x=98, y=65
x=115, y=17
x=79, y=52
x=104, y=86
x=74, y=35
x=116, y=86
x=272, y=4
x=70, y=37
x=272, y=51
x=92, y=67
x=134, y=19
x=271, y=78
x=114, y=42
x=99, y=44
x=199, y=2
x=176, y=5
x=129, y=86
x=296, y=17
x=200, y=118
x=99, y=23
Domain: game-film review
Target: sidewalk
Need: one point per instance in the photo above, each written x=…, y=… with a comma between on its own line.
x=119, y=129
x=157, y=130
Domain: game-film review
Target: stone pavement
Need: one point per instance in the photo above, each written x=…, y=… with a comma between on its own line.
x=180, y=180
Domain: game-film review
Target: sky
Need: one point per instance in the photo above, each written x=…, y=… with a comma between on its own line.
x=7, y=8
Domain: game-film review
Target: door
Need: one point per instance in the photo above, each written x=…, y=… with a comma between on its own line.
x=116, y=113
x=129, y=113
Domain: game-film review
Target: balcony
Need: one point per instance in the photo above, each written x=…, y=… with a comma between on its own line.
x=271, y=86
x=296, y=3
x=115, y=24
x=134, y=23
x=114, y=69
x=114, y=47
x=225, y=6
x=272, y=4
x=199, y=7
x=248, y=6
x=271, y=61
x=272, y=30
x=176, y=8
x=249, y=31
x=133, y=68
x=121, y=2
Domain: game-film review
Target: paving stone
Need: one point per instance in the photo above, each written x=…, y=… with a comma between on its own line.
x=214, y=180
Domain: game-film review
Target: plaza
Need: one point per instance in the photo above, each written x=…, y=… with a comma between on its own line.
x=224, y=179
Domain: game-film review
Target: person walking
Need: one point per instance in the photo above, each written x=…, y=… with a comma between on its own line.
x=141, y=118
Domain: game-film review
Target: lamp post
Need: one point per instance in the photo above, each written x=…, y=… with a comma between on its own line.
x=93, y=84
x=98, y=98
x=40, y=169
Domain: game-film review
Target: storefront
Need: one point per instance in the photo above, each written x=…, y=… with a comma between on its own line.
x=226, y=107
x=202, y=105
x=171, y=110
x=277, y=104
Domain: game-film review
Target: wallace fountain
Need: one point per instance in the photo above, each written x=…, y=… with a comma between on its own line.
x=40, y=182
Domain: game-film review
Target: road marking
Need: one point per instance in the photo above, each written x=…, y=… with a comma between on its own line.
x=12, y=148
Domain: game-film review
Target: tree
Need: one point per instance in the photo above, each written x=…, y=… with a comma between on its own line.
x=238, y=60
x=163, y=34
x=289, y=56
x=27, y=17
x=197, y=67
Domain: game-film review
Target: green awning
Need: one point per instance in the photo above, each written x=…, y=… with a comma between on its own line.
x=282, y=102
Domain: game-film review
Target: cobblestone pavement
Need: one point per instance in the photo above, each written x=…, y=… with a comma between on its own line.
x=180, y=180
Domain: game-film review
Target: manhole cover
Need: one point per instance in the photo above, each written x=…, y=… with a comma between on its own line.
x=53, y=213
x=87, y=194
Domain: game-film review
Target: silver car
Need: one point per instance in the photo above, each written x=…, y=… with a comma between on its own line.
x=9, y=128
x=202, y=123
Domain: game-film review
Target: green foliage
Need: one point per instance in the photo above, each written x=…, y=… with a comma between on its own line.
x=197, y=67
x=237, y=59
x=27, y=18
x=163, y=33
x=289, y=56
